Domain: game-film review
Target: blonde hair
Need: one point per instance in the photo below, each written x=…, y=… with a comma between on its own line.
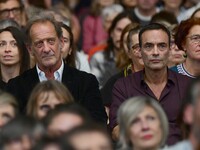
x=6, y=98
x=129, y=110
x=54, y=86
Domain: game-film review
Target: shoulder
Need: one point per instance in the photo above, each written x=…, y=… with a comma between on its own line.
x=178, y=75
x=77, y=74
x=28, y=75
x=184, y=145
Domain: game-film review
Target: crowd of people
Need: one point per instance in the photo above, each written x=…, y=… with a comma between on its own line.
x=99, y=75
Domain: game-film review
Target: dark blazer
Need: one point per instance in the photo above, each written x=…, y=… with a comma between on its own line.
x=83, y=86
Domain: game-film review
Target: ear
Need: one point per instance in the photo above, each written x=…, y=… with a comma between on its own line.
x=62, y=42
x=70, y=51
x=188, y=114
x=29, y=49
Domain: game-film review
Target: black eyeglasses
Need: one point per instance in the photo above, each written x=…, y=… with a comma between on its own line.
x=6, y=12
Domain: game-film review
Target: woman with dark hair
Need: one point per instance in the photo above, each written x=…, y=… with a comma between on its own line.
x=70, y=55
x=103, y=63
x=14, y=57
x=68, y=50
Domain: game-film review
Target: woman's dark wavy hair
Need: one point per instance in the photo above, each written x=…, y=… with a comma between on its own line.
x=20, y=38
x=110, y=47
x=70, y=59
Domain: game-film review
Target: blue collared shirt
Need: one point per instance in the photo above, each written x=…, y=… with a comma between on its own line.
x=57, y=74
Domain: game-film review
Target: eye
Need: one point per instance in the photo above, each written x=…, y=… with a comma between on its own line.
x=51, y=41
x=66, y=40
x=45, y=108
x=135, y=121
x=150, y=117
x=162, y=46
x=13, y=43
x=2, y=43
x=6, y=117
x=38, y=44
x=148, y=46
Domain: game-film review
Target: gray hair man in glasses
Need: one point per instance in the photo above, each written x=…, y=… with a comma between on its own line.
x=13, y=9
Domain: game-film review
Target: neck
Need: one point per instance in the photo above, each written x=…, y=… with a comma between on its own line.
x=192, y=67
x=155, y=76
x=147, y=12
x=149, y=148
x=137, y=67
x=9, y=72
x=49, y=71
x=175, y=11
x=193, y=140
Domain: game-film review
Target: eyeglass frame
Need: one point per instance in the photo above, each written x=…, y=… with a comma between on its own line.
x=193, y=40
x=11, y=10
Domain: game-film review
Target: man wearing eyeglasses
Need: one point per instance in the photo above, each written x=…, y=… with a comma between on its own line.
x=12, y=9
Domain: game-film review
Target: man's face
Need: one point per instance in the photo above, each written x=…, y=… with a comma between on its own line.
x=45, y=45
x=11, y=9
x=155, y=49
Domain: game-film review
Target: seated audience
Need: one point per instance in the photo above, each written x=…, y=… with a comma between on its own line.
x=103, y=63
x=21, y=133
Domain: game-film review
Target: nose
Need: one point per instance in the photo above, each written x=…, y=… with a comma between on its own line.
x=144, y=125
x=26, y=143
x=8, y=48
x=11, y=15
x=46, y=47
x=155, y=51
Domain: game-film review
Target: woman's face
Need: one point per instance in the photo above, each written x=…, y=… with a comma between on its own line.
x=46, y=101
x=105, y=3
x=7, y=113
x=174, y=4
x=176, y=56
x=129, y=3
x=117, y=31
x=134, y=53
x=192, y=44
x=145, y=130
x=66, y=50
x=9, y=52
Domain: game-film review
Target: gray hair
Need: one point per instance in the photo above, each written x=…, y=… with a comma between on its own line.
x=4, y=23
x=41, y=18
x=129, y=110
x=109, y=10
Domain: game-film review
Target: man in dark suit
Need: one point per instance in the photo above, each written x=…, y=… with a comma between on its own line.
x=45, y=42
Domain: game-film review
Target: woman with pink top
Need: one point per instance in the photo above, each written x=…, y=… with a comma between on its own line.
x=93, y=31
